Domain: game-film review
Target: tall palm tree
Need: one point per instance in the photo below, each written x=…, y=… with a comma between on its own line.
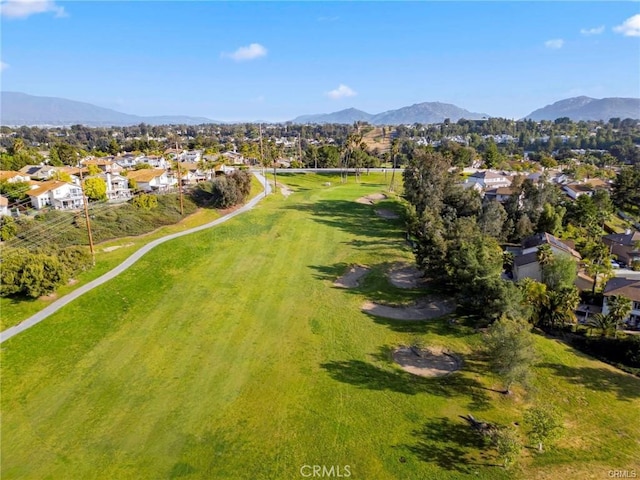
x=619, y=309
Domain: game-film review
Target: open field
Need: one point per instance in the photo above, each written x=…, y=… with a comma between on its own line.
x=230, y=354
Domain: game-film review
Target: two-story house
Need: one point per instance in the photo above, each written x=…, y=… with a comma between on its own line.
x=56, y=194
x=625, y=246
x=629, y=288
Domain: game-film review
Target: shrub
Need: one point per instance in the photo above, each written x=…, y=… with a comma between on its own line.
x=145, y=201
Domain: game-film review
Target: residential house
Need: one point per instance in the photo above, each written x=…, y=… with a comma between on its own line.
x=526, y=265
x=156, y=161
x=10, y=176
x=233, y=158
x=501, y=194
x=152, y=180
x=191, y=173
x=128, y=160
x=629, y=288
x=117, y=187
x=488, y=179
x=56, y=194
x=574, y=190
x=38, y=172
x=625, y=246
x=4, y=206
x=193, y=156
x=105, y=165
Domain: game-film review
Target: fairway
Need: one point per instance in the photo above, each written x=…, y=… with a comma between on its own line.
x=230, y=354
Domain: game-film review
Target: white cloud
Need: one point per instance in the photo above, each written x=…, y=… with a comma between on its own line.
x=592, y=31
x=341, y=92
x=26, y=8
x=554, y=44
x=3, y=66
x=255, y=50
x=630, y=27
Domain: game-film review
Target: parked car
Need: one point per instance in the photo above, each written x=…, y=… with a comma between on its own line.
x=615, y=264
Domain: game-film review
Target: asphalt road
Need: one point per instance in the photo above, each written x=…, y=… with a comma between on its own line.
x=61, y=302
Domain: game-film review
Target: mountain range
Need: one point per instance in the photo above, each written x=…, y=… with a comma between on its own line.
x=22, y=109
x=427, y=112
x=587, y=108
x=18, y=109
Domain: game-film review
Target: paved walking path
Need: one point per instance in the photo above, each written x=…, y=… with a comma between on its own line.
x=58, y=304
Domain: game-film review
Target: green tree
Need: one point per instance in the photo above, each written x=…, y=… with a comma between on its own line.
x=619, y=309
x=492, y=218
x=510, y=348
x=8, y=228
x=491, y=155
x=144, y=201
x=93, y=169
x=559, y=307
x=95, y=188
x=508, y=445
x=544, y=425
x=605, y=323
x=560, y=272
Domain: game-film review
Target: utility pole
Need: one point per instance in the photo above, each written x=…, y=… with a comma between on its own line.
x=88, y=221
x=262, y=162
x=300, y=149
x=180, y=185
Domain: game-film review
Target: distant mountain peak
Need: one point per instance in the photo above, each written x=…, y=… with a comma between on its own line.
x=587, y=108
x=424, y=112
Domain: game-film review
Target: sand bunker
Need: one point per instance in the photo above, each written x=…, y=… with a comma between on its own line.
x=405, y=276
x=426, y=362
x=351, y=279
x=371, y=199
x=423, y=310
x=385, y=213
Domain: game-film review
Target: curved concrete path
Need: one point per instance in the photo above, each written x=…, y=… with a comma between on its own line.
x=58, y=304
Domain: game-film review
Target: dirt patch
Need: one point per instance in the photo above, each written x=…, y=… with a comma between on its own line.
x=371, y=199
x=386, y=213
x=423, y=310
x=351, y=279
x=426, y=362
x=115, y=247
x=406, y=276
x=286, y=191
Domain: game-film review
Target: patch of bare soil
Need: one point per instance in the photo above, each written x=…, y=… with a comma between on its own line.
x=351, y=279
x=371, y=199
x=426, y=362
x=424, y=310
x=405, y=276
x=115, y=247
x=386, y=213
x=48, y=298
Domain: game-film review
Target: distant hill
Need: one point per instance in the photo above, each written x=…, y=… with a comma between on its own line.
x=587, y=108
x=349, y=115
x=427, y=112
x=19, y=109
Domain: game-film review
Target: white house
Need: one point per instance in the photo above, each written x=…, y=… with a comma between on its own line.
x=574, y=190
x=501, y=194
x=629, y=288
x=56, y=194
x=488, y=179
x=107, y=166
x=4, y=206
x=10, y=176
x=152, y=180
x=117, y=186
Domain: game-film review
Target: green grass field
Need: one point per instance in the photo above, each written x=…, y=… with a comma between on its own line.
x=228, y=354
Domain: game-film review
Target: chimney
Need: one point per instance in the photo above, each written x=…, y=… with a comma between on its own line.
x=627, y=231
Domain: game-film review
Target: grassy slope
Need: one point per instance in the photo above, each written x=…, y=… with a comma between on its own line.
x=15, y=310
x=228, y=354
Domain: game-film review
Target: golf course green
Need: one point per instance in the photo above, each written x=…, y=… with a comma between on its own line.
x=230, y=354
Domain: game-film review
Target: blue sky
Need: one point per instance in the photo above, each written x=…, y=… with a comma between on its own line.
x=276, y=60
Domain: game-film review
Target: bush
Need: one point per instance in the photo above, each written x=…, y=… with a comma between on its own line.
x=224, y=191
x=618, y=351
x=145, y=201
